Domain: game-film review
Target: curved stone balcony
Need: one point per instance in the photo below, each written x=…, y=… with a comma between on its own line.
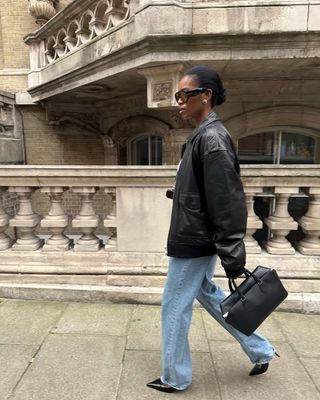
x=90, y=40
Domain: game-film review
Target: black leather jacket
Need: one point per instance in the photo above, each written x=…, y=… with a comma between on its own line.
x=209, y=213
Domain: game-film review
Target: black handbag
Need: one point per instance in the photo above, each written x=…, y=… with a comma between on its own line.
x=250, y=303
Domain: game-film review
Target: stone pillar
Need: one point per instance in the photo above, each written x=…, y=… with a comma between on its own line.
x=25, y=221
x=57, y=220
x=111, y=221
x=281, y=223
x=310, y=224
x=5, y=240
x=253, y=222
x=87, y=220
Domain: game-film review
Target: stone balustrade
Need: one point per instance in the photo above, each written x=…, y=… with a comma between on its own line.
x=139, y=213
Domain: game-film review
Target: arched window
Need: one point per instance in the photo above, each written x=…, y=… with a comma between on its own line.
x=279, y=147
x=146, y=150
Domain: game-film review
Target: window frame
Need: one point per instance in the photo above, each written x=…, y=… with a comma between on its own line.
x=278, y=131
x=130, y=150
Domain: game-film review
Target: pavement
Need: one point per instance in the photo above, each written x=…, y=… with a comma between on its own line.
x=103, y=351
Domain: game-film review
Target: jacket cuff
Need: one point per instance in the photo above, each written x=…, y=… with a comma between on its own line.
x=235, y=273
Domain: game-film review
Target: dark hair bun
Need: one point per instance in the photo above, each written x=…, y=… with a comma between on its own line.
x=209, y=78
x=221, y=98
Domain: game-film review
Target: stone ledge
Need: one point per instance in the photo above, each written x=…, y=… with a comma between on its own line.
x=139, y=263
x=295, y=302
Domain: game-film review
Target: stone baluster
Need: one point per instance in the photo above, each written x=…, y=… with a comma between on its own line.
x=56, y=220
x=5, y=240
x=111, y=221
x=25, y=221
x=310, y=224
x=87, y=220
x=280, y=223
x=253, y=222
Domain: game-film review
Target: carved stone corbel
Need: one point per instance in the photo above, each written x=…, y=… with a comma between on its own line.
x=162, y=83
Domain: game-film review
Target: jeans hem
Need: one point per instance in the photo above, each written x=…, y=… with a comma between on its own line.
x=167, y=383
x=265, y=360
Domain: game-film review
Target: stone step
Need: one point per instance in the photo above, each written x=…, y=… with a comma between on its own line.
x=295, y=302
x=293, y=285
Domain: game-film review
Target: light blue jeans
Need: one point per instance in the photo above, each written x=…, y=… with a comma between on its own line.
x=187, y=279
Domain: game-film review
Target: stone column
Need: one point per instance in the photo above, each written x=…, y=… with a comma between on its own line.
x=57, y=220
x=310, y=224
x=5, y=240
x=281, y=223
x=87, y=220
x=111, y=221
x=253, y=222
x=25, y=221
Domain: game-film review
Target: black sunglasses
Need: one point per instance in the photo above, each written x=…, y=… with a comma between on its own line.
x=184, y=94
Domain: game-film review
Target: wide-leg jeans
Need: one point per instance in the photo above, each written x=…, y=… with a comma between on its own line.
x=188, y=279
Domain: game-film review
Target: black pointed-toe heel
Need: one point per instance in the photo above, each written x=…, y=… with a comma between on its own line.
x=260, y=368
x=159, y=385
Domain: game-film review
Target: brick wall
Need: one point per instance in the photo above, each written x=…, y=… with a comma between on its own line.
x=61, y=145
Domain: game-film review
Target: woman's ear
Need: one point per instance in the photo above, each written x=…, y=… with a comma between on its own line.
x=209, y=94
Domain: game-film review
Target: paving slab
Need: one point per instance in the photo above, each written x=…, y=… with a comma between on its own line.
x=107, y=319
x=286, y=378
x=312, y=365
x=14, y=359
x=269, y=328
x=70, y=367
x=302, y=331
x=141, y=367
x=27, y=322
x=145, y=330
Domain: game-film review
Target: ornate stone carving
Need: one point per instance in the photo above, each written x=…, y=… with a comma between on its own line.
x=102, y=16
x=42, y=10
x=162, y=91
x=161, y=84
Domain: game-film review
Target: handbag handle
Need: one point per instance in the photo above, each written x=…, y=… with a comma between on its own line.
x=235, y=288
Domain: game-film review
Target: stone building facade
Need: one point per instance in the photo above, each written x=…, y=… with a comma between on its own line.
x=92, y=82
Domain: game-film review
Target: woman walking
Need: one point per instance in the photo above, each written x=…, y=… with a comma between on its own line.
x=208, y=219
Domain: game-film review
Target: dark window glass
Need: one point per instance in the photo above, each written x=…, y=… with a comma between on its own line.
x=156, y=150
x=297, y=149
x=257, y=149
x=147, y=150
x=141, y=151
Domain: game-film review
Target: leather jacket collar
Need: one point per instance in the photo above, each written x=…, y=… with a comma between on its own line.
x=211, y=117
